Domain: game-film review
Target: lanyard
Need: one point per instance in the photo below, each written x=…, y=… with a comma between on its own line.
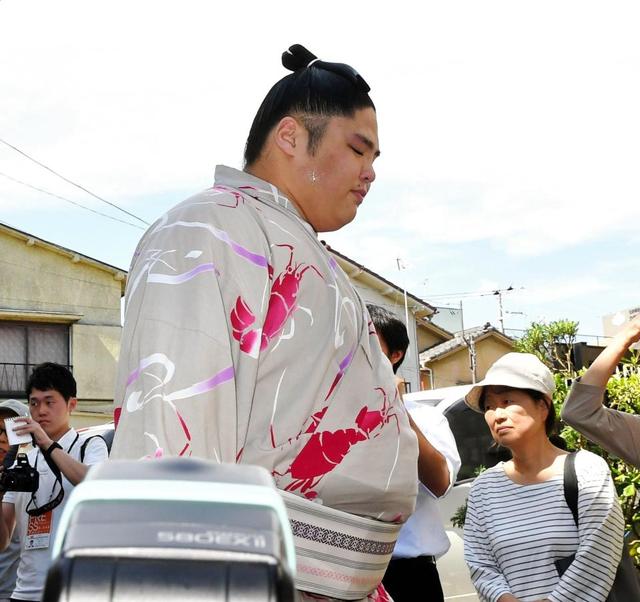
x=32, y=509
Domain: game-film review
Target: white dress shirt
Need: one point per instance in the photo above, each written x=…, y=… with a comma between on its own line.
x=424, y=534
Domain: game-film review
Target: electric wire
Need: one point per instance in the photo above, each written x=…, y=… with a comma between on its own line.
x=73, y=183
x=57, y=196
x=466, y=294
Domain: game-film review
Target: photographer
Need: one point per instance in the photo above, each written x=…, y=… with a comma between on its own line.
x=61, y=459
x=11, y=408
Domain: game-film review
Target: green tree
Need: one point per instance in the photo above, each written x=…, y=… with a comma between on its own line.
x=551, y=342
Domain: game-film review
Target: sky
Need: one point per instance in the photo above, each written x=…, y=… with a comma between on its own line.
x=509, y=131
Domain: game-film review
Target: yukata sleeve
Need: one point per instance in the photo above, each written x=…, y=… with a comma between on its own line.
x=600, y=531
x=486, y=576
x=618, y=432
x=189, y=357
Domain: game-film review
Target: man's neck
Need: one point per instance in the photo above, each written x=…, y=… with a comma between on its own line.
x=61, y=432
x=269, y=173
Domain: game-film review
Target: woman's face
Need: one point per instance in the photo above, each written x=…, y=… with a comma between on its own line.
x=513, y=415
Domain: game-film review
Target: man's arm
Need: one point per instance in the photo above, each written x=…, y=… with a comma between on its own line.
x=618, y=432
x=438, y=460
x=71, y=468
x=433, y=470
x=7, y=524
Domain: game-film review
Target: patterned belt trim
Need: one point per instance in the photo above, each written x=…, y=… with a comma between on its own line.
x=339, y=555
x=340, y=540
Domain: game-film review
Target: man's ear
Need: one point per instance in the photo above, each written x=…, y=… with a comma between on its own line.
x=73, y=402
x=288, y=136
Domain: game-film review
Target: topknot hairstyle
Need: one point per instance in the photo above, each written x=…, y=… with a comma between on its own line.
x=314, y=91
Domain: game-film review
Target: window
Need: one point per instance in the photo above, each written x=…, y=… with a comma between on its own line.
x=25, y=345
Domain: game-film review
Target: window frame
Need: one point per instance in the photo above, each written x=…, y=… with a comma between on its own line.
x=26, y=366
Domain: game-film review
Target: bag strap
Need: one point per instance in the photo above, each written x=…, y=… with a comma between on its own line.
x=83, y=449
x=571, y=485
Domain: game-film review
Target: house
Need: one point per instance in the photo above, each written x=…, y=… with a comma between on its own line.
x=59, y=305
x=423, y=334
x=463, y=359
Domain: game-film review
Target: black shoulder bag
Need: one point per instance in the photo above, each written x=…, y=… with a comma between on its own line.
x=626, y=586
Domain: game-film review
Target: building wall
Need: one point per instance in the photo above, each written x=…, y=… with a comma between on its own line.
x=94, y=356
x=488, y=351
x=37, y=278
x=454, y=369
x=410, y=368
x=428, y=338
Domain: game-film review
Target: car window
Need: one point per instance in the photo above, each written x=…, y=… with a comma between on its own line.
x=474, y=441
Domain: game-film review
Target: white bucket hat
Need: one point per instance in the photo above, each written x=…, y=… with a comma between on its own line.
x=16, y=406
x=515, y=370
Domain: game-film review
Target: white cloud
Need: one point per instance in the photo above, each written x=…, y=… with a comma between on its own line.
x=503, y=125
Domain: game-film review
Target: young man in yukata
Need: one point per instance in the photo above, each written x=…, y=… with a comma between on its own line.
x=245, y=342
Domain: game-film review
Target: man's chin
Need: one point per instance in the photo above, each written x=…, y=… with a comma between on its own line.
x=337, y=225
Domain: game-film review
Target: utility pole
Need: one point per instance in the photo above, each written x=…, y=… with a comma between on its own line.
x=499, y=293
x=404, y=289
x=470, y=346
x=408, y=354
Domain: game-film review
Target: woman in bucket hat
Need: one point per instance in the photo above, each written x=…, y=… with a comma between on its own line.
x=518, y=523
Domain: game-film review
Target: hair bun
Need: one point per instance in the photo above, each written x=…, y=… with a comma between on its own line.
x=297, y=57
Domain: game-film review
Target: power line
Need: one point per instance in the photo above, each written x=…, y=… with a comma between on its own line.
x=461, y=295
x=73, y=183
x=469, y=294
x=117, y=219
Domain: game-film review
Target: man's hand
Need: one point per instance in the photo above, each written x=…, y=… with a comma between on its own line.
x=603, y=366
x=508, y=598
x=25, y=425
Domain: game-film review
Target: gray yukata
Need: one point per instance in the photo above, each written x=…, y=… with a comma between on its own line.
x=244, y=341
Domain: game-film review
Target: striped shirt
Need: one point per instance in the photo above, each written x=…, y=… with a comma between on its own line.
x=514, y=533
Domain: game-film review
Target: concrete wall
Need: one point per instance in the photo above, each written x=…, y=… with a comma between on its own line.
x=94, y=357
x=454, y=369
x=427, y=338
x=39, y=279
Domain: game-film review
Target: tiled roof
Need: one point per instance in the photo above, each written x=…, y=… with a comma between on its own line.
x=458, y=342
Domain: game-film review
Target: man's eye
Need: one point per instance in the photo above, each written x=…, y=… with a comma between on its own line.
x=356, y=151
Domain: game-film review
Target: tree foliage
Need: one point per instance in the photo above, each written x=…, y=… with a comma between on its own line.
x=551, y=342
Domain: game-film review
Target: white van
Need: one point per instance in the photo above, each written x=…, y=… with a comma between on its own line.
x=475, y=447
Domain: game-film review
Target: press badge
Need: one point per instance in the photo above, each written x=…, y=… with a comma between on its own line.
x=38, y=531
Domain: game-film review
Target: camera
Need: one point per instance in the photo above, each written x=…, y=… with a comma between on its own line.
x=173, y=529
x=22, y=477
